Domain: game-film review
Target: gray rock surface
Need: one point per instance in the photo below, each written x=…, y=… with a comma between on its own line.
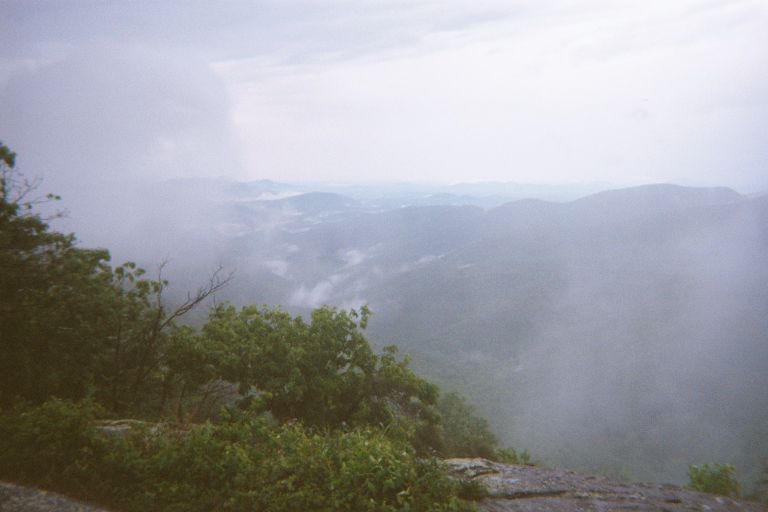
x=15, y=498
x=528, y=488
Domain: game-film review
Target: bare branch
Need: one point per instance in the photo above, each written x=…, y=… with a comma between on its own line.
x=215, y=283
x=15, y=188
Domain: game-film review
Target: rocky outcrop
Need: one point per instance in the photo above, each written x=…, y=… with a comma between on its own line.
x=15, y=498
x=527, y=488
x=120, y=428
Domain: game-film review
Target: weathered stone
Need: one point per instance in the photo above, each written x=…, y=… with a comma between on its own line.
x=15, y=498
x=529, y=488
x=118, y=428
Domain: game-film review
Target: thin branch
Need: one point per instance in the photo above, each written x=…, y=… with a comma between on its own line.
x=215, y=283
x=15, y=189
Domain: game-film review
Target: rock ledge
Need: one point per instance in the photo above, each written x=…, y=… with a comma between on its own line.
x=527, y=488
x=15, y=498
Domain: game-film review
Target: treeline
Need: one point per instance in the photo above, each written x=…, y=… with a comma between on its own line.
x=262, y=386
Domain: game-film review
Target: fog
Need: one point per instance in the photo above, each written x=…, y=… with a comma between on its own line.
x=443, y=162
x=657, y=357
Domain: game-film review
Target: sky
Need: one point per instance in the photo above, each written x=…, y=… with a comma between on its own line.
x=535, y=91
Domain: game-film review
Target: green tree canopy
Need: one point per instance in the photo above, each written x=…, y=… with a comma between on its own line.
x=50, y=293
x=466, y=435
x=322, y=372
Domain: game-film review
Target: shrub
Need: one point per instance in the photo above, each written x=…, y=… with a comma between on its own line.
x=715, y=479
x=510, y=456
x=472, y=490
x=53, y=444
x=464, y=433
x=760, y=491
x=241, y=464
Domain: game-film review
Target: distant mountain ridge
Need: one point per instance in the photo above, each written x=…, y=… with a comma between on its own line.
x=657, y=198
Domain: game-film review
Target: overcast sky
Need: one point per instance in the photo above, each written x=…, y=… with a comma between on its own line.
x=531, y=90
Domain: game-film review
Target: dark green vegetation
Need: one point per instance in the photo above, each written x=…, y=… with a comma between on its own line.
x=715, y=479
x=240, y=463
x=278, y=413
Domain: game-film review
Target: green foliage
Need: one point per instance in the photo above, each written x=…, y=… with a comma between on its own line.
x=323, y=373
x=715, y=479
x=473, y=490
x=760, y=492
x=465, y=434
x=241, y=464
x=7, y=157
x=510, y=456
x=309, y=371
x=52, y=445
x=51, y=293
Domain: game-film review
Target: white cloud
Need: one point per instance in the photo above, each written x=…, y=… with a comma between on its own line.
x=277, y=267
x=353, y=257
x=556, y=99
x=274, y=196
x=312, y=297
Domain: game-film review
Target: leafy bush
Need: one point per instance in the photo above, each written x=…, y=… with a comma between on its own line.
x=241, y=464
x=510, y=456
x=54, y=444
x=322, y=372
x=472, y=490
x=715, y=479
x=760, y=491
x=464, y=433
